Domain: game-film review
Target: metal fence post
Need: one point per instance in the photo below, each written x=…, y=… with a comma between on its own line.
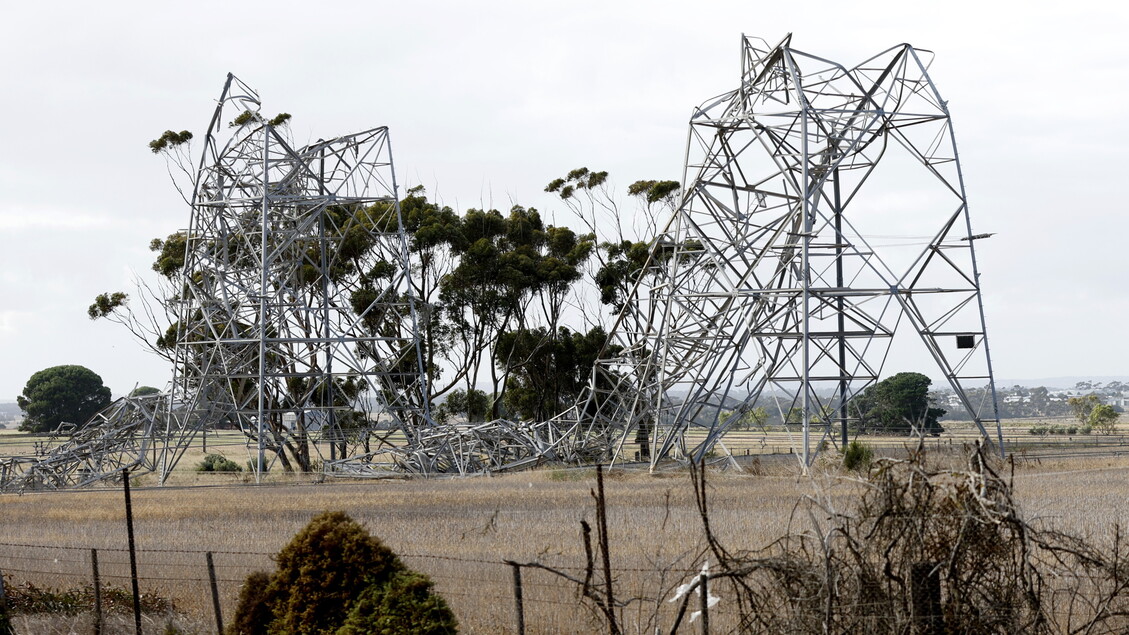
x=519, y=604
x=132, y=553
x=215, y=593
x=97, y=580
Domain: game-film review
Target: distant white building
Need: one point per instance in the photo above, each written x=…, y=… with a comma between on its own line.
x=1120, y=400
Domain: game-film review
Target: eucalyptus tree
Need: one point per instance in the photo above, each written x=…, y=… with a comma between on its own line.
x=623, y=237
x=506, y=266
x=548, y=371
x=623, y=259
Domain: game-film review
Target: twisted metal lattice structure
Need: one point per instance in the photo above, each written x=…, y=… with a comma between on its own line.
x=295, y=324
x=824, y=220
x=824, y=228
x=296, y=319
x=126, y=434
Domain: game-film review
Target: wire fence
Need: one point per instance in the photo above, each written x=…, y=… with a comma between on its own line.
x=481, y=592
x=559, y=594
x=488, y=596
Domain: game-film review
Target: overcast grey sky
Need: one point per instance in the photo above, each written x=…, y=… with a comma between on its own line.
x=488, y=101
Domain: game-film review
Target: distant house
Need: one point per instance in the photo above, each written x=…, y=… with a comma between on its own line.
x=1119, y=400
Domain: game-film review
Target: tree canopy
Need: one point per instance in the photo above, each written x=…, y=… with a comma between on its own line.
x=62, y=394
x=899, y=404
x=1090, y=411
x=547, y=369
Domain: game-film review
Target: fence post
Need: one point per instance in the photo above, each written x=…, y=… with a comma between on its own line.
x=704, y=601
x=132, y=553
x=5, y=619
x=97, y=592
x=925, y=594
x=519, y=605
x=602, y=528
x=215, y=593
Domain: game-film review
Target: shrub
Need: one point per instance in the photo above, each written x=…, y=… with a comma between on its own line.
x=333, y=573
x=253, y=613
x=322, y=571
x=404, y=605
x=916, y=529
x=857, y=456
x=28, y=598
x=217, y=463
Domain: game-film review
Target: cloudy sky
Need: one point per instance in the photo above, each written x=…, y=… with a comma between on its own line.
x=488, y=101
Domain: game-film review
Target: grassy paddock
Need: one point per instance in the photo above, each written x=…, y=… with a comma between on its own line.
x=773, y=441
x=459, y=531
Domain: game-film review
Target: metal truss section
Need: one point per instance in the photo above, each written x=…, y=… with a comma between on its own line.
x=128, y=434
x=296, y=321
x=466, y=448
x=824, y=231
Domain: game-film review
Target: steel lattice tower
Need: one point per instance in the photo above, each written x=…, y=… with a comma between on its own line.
x=823, y=218
x=295, y=323
x=295, y=313
x=824, y=229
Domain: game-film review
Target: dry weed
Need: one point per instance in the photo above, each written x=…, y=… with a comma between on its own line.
x=924, y=549
x=459, y=531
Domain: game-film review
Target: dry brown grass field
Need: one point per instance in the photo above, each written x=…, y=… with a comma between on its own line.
x=460, y=530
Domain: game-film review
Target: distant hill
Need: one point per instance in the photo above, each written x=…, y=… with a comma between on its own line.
x=9, y=413
x=1059, y=382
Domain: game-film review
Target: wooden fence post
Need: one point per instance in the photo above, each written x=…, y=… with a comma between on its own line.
x=519, y=604
x=132, y=554
x=97, y=579
x=215, y=593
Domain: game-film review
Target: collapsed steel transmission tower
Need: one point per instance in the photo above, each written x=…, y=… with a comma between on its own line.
x=296, y=321
x=126, y=434
x=824, y=229
x=823, y=220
